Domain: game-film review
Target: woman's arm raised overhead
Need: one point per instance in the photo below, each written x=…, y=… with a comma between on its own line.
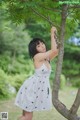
x=53, y=52
x=54, y=45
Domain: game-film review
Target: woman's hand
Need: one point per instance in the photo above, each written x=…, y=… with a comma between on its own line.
x=54, y=39
x=53, y=30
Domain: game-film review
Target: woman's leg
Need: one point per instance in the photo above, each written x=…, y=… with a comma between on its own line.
x=28, y=115
x=21, y=118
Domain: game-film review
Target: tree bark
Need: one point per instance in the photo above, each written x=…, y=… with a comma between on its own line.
x=75, y=105
x=61, y=108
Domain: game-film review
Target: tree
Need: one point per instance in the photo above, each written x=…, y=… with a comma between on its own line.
x=18, y=9
x=69, y=114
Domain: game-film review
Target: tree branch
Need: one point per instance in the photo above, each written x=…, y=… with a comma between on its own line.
x=41, y=5
x=74, y=6
x=44, y=17
x=76, y=103
x=51, y=9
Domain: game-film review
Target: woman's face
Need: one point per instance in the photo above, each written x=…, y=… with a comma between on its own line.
x=41, y=47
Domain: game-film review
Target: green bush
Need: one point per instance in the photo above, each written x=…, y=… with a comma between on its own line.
x=71, y=64
x=17, y=80
x=4, y=85
x=8, y=82
x=21, y=66
x=4, y=61
x=62, y=81
x=75, y=82
x=70, y=67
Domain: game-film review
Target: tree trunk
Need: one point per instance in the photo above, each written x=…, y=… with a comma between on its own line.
x=61, y=108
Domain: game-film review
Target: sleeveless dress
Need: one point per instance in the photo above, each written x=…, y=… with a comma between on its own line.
x=35, y=93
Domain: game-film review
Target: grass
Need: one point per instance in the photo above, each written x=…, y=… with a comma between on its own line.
x=66, y=95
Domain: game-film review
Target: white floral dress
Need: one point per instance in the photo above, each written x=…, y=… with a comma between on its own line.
x=35, y=93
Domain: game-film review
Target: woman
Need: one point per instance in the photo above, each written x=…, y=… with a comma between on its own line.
x=35, y=93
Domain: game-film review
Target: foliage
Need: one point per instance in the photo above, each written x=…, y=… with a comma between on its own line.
x=4, y=85
x=4, y=61
x=40, y=30
x=71, y=64
x=19, y=65
x=17, y=9
x=62, y=81
x=9, y=81
x=48, y=11
x=14, y=39
x=17, y=80
x=13, y=78
x=76, y=82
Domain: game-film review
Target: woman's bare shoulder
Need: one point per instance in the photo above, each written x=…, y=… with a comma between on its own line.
x=42, y=56
x=35, y=56
x=37, y=62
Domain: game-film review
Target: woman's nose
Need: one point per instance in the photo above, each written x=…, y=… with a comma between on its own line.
x=43, y=46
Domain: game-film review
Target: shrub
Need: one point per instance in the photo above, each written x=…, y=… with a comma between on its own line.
x=76, y=82
x=18, y=80
x=4, y=85
x=4, y=61
x=62, y=81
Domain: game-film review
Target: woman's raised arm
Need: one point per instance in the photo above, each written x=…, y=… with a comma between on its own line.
x=53, y=52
